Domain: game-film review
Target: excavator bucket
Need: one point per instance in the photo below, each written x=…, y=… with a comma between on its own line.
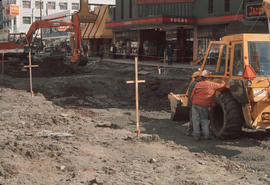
x=179, y=109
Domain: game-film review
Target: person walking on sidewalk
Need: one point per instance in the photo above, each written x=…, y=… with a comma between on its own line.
x=170, y=54
x=202, y=97
x=196, y=77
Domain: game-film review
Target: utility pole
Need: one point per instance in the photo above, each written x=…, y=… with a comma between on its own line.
x=40, y=10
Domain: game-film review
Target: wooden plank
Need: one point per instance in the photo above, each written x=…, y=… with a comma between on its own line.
x=31, y=66
x=132, y=81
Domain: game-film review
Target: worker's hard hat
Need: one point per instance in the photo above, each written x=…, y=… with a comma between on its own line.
x=205, y=73
x=196, y=74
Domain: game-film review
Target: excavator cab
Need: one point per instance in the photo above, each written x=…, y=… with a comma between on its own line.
x=18, y=38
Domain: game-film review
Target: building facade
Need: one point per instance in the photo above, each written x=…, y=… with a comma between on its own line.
x=29, y=11
x=147, y=27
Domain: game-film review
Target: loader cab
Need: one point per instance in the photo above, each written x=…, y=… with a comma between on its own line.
x=226, y=59
x=18, y=38
x=216, y=60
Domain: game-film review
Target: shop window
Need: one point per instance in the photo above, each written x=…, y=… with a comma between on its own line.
x=126, y=44
x=26, y=20
x=63, y=6
x=75, y=6
x=26, y=4
x=51, y=5
x=37, y=4
x=150, y=48
x=159, y=9
x=122, y=9
x=210, y=6
x=227, y=5
x=112, y=12
x=140, y=11
x=130, y=8
x=11, y=2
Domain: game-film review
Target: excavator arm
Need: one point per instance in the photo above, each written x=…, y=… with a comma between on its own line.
x=49, y=23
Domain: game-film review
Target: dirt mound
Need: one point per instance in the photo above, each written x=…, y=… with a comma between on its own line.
x=49, y=67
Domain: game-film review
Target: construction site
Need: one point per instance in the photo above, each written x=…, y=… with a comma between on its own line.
x=80, y=128
x=68, y=118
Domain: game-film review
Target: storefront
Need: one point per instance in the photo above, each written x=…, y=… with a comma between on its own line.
x=97, y=39
x=125, y=44
x=151, y=43
x=187, y=25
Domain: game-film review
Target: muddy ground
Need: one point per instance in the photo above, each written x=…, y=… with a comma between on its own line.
x=80, y=129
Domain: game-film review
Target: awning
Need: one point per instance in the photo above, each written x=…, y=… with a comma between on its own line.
x=97, y=30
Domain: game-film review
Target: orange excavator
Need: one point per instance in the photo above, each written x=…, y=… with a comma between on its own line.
x=24, y=42
x=74, y=26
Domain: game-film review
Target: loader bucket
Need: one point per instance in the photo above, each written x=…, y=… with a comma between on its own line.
x=179, y=109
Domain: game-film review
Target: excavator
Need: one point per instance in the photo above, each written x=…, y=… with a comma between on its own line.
x=19, y=48
x=243, y=61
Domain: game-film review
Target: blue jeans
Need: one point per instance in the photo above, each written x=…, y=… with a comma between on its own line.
x=200, y=118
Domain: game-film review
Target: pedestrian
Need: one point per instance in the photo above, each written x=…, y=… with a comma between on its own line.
x=85, y=50
x=196, y=77
x=203, y=97
x=170, y=54
x=101, y=51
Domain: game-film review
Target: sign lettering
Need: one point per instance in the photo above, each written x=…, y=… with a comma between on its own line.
x=255, y=10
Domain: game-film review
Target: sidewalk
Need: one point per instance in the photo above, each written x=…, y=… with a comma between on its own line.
x=149, y=63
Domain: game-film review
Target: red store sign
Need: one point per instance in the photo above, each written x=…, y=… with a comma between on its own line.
x=255, y=11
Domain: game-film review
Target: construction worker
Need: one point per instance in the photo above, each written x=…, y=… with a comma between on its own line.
x=196, y=77
x=203, y=97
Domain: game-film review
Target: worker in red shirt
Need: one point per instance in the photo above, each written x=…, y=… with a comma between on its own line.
x=202, y=97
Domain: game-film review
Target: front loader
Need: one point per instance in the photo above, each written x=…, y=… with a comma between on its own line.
x=243, y=62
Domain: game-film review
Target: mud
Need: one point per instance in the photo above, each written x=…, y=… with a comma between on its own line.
x=81, y=129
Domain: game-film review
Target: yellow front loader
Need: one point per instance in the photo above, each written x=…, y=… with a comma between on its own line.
x=243, y=61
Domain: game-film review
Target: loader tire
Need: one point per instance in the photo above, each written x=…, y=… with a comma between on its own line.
x=226, y=118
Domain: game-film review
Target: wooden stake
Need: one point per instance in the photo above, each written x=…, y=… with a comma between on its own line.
x=137, y=96
x=30, y=72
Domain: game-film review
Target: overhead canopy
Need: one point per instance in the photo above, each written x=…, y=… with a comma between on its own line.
x=97, y=30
